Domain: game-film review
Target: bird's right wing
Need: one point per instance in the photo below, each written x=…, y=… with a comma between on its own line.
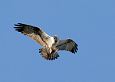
x=68, y=45
x=33, y=32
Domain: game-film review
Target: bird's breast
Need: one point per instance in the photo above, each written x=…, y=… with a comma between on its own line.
x=50, y=41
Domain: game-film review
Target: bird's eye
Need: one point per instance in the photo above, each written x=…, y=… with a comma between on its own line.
x=55, y=39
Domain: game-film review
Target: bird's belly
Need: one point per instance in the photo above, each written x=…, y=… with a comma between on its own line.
x=50, y=42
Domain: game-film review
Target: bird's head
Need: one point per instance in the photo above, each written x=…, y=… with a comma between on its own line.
x=56, y=38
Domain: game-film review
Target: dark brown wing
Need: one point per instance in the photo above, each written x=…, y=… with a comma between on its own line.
x=33, y=32
x=68, y=45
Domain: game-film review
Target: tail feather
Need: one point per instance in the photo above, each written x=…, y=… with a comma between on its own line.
x=52, y=56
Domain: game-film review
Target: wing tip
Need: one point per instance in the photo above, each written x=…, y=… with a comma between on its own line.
x=19, y=29
x=75, y=48
x=18, y=25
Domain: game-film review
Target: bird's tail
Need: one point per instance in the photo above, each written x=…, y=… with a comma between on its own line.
x=49, y=56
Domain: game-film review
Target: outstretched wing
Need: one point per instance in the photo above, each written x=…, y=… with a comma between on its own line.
x=68, y=45
x=33, y=32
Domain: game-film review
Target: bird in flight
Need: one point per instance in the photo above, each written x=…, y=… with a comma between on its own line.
x=51, y=44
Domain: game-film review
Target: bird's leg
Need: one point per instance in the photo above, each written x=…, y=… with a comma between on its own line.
x=48, y=50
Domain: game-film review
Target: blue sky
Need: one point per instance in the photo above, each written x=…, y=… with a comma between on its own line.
x=91, y=23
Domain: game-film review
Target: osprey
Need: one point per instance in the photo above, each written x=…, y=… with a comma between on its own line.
x=51, y=44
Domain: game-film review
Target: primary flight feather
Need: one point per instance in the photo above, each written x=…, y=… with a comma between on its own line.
x=51, y=44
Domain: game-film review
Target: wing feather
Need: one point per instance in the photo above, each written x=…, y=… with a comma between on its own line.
x=68, y=45
x=33, y=32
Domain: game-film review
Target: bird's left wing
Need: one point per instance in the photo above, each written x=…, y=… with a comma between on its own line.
x=68, y=45
x=33, y=32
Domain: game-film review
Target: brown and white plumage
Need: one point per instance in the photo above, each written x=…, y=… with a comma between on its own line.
x=68, y=45
x=51, y=45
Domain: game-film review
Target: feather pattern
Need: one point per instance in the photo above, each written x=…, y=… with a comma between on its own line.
x=49, y=56
x=33, y=32
x=51, y=45
x=68, y=45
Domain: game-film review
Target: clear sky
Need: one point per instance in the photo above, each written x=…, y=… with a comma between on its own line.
x=90, y=23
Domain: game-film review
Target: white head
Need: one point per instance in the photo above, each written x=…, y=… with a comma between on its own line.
x=56, y=38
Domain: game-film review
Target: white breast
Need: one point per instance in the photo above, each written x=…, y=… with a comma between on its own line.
x=50, y=41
